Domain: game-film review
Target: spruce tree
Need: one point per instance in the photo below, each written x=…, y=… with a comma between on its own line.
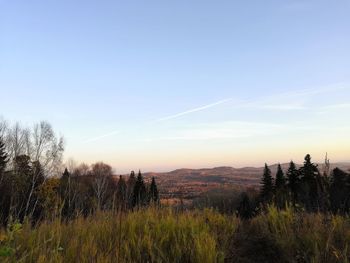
x=130, y=188
x=245, y=210
x=293, y=182
x=280, y=188
x=139, y=193
x=280, y=179
x=266, y=191
x=309, y=186
x=121, y=192
x=153, y=192
x=339, y=191
x=65, y=190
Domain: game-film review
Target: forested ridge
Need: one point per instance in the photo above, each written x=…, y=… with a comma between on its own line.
x=51, y=212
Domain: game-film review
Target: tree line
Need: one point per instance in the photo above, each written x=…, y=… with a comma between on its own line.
x=305, y=188
x=32, y=186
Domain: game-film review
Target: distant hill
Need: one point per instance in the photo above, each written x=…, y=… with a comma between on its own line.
x=191, y=182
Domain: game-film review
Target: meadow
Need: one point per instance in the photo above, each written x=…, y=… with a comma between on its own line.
x=169, y=235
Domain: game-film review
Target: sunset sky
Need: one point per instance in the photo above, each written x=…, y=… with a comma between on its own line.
x=159, y=85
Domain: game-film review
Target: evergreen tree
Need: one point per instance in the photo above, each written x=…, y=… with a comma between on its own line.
x=293, y=182
x=280, y=188
x=153, y=192
x=339, y=191
x=121, y=192
x=130, y=188
x=280, y=179
x=139, y=193
x=266, y=191
x=65, y=175
x=309, y=185
x=65, y=190
x=245, y=210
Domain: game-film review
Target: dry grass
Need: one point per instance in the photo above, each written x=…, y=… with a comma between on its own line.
x=163, y=235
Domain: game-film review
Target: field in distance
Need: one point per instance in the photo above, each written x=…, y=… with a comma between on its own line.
x=191, y=183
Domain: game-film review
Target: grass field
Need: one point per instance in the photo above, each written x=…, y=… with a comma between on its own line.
x=166, y=235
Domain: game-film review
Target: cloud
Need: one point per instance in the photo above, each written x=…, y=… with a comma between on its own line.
x=222, y=130
x=337, y=106
x=170, y=117
x=288, y=101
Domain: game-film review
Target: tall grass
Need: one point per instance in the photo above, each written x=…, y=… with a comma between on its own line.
x=164, y=235
x=151, y=235
x=308, y=237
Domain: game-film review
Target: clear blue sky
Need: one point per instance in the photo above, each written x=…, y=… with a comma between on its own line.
x=159, y=85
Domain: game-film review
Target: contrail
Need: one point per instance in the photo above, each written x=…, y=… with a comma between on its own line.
x=101, y=136
x=162, y=119
x=192, y=110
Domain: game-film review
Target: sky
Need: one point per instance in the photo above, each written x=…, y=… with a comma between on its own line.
x=160, y=85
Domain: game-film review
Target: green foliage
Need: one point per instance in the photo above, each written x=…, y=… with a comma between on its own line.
x=7, y=240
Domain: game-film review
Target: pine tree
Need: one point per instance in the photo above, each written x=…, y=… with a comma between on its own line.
x=280, y=188
x=309, y=186
x=65, y=190
x=121, y=192
x=339, y=191
x=245, y=210
x=153, y=192
x=266, y=191
x=130, y=185
x=293, y=182
x=139, y=193
x=280, y=179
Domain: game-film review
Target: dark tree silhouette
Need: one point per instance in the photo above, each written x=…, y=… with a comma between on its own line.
x=130, y=188
x=266, y=193
x=309, y=186
x=339, y=191
x=4, y=184
x=153, y=192
x=140, y=193
x=3, y=158
x=245, y=209
x=293, y=182
x=121, y=193
x=280, y=188
x=280, y=179
x=66, y=193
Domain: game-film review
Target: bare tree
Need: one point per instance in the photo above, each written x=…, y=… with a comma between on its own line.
x=44, y=151
x=46, y=148
x=3, y=128
x=39, y=143
x=101, y=176
x=16, y=140
x=82, y=170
